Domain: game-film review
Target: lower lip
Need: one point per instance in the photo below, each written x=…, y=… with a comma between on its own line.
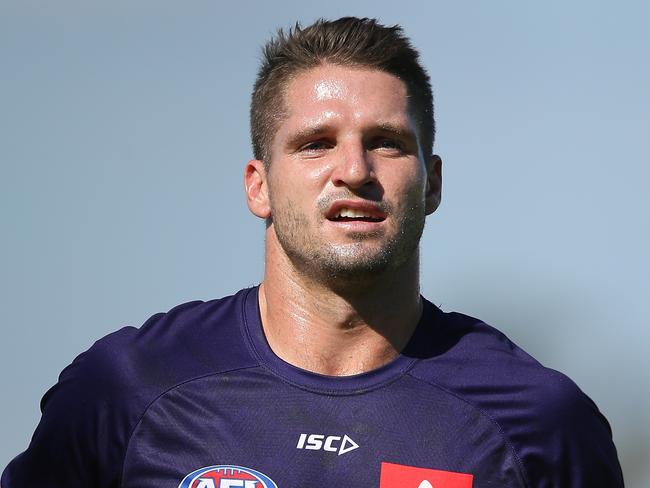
x=362, y=226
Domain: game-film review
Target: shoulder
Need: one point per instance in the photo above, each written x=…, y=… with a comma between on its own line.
x=133, y=366
x=556, y=431
x=102, y=395
x=192, y=339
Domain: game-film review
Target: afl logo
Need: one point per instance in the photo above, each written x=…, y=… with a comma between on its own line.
x=226, y=476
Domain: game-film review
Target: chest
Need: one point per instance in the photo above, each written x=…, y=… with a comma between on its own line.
x=253, y=430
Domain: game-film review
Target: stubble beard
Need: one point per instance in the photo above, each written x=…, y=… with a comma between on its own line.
x=355, y=263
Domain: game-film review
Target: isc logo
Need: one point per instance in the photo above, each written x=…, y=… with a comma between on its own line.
x=329, y=443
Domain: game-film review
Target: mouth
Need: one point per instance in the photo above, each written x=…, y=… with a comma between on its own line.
x=349, y=215
x=355, y=212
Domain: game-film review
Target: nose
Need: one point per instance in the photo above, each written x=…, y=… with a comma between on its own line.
x=353, y=167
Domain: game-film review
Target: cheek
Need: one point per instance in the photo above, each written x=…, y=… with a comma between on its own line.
x=291, y=194
x=304, y=187
x=408, y=182
x=294, y=174
x=315, y=172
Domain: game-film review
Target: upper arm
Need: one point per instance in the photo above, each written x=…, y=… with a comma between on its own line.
x=84, y=427
x=570, y=441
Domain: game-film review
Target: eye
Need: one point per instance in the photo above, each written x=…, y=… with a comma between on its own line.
x=315, y=146
x=388, y=145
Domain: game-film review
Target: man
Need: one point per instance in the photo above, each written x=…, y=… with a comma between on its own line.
x=334, y=371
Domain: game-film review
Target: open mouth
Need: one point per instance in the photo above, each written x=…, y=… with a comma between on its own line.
x=345, y=214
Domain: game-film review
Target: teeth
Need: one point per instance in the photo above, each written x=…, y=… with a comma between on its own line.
x=353, y=214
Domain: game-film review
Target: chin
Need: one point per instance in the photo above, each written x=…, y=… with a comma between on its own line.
x=356, y=263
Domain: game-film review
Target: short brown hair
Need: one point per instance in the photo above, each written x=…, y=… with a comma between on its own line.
x=348, y=41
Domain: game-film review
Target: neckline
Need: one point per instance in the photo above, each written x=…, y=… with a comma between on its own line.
x=335, y=385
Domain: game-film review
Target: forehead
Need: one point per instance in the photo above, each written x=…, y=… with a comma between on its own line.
x=345, y=93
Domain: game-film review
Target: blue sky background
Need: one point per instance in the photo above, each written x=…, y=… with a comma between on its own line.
x=124, y=132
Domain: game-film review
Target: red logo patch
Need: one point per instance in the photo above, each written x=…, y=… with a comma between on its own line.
x=400, y=476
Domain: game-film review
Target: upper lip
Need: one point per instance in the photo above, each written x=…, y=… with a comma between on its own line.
x=368, y=209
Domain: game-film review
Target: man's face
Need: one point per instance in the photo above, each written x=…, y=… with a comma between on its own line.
x=348, y=185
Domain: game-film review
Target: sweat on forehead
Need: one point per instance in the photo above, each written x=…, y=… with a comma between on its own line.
x=349, y=41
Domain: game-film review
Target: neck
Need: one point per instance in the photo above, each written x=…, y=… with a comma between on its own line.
x=332, y=329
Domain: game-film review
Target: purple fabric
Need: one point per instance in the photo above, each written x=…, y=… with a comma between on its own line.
x=199, y=386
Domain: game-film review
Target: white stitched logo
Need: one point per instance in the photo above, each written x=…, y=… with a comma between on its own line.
x=329, y=443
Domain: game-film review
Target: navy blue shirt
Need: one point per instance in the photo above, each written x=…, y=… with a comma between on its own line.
x=195, y=398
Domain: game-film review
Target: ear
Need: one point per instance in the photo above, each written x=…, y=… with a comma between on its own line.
x=255, y=185
x=433, y=192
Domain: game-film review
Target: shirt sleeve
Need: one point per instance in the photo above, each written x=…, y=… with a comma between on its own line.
x=568, y=442
x=556, y=432
x=84, y=428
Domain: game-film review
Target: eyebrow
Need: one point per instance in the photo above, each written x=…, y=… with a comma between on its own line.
x=307, y=133
x=397, y=130
x=383, y=127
